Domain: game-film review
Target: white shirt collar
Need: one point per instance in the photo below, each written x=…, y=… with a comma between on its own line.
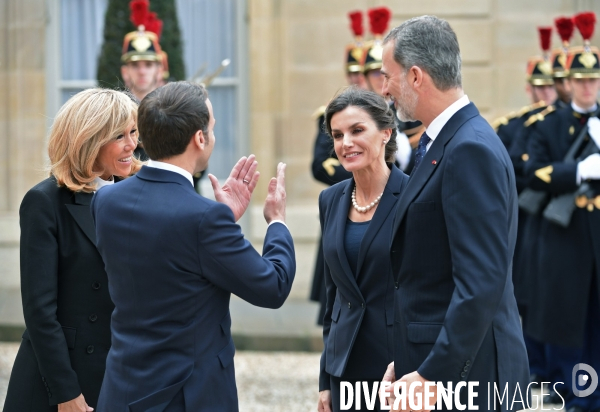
x=100, y=183
x=171, y=168
x=583, y=111
x=439, y=122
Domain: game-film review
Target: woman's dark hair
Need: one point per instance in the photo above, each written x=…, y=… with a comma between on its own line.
x=375, y=106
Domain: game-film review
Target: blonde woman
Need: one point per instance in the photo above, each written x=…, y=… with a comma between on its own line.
x=61, y=361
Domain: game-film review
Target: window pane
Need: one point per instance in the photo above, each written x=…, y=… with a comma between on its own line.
x=208, y=29
x=82, y=24
x=224, y=154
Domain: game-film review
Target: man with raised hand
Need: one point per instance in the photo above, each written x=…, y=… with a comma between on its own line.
x=174, y=258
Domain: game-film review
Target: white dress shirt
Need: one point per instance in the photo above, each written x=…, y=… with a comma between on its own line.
x=100, y=183
x=439, y=122
x=171, y=168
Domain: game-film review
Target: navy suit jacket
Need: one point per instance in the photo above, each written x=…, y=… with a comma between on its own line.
x=357, y=329
x=454, y=235
x=173, y=258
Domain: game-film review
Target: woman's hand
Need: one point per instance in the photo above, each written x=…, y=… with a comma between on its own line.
x=324, y=401
x=75, y=405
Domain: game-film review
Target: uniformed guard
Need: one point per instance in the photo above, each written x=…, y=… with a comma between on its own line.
x=565, y=165
x=379, y=19
x=513, y=132
x=525, y=274
x=355, y=51
x=539, y=87
x=142, y=57
x=564, y=28
x=142, y=54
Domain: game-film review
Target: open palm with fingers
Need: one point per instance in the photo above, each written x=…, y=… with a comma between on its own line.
x=238, y=188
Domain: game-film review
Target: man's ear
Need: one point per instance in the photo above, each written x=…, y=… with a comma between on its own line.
x=415, y=76
x=199, y=140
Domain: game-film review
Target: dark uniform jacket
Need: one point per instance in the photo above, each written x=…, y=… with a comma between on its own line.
x=66, y=303
x=568, y=257
x=516, y=134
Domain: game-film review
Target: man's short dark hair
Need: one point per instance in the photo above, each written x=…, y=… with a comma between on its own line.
x=169, y=116
x=430, y=43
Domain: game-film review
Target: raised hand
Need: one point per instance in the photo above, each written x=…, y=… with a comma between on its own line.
x=238, y=188
x=275, y=203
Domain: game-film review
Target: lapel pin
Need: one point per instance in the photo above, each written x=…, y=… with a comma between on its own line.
x=434, y=162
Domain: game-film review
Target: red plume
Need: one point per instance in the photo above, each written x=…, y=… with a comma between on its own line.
x=379, y=18
x=585, y=23
x=545, y=33
x=154, y=24
x=565, y=27
x=139, y=11
x=356, y=22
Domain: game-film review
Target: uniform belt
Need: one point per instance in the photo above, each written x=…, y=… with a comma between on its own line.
x=589, y=203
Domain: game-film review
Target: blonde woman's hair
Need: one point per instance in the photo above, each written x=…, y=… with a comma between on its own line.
x=85, y=123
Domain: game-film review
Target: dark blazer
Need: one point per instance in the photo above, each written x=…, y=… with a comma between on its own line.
x=567, y=258
x=173, y=259
x=357, y=330
x=454, y=234
x=66, y=304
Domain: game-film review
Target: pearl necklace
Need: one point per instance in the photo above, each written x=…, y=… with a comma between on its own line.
x=364, y=209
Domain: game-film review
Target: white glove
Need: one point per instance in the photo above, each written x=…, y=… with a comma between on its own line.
x=404, y=150
x=593, y=125
x=589, y=168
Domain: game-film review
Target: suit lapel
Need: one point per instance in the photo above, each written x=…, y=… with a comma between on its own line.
x=340, y=234
x=431, y=161
x=392, y=190
x=82, y=214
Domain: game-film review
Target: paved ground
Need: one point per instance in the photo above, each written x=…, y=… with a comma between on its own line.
x=267, y=381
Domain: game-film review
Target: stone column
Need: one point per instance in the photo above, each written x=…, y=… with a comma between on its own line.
x=22, y=120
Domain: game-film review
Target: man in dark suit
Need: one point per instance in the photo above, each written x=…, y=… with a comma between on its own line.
x=456, y=318
x=173, y=263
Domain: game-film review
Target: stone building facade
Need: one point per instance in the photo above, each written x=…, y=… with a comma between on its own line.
x=295, y=64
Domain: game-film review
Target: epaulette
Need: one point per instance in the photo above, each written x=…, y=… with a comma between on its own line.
x=526, y=109
x=319, y=112
x=538, y=117
x=503, y=121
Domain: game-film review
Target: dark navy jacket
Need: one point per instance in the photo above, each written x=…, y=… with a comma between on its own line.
x=357, y=330
x=173, y=258
x=454, y=235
